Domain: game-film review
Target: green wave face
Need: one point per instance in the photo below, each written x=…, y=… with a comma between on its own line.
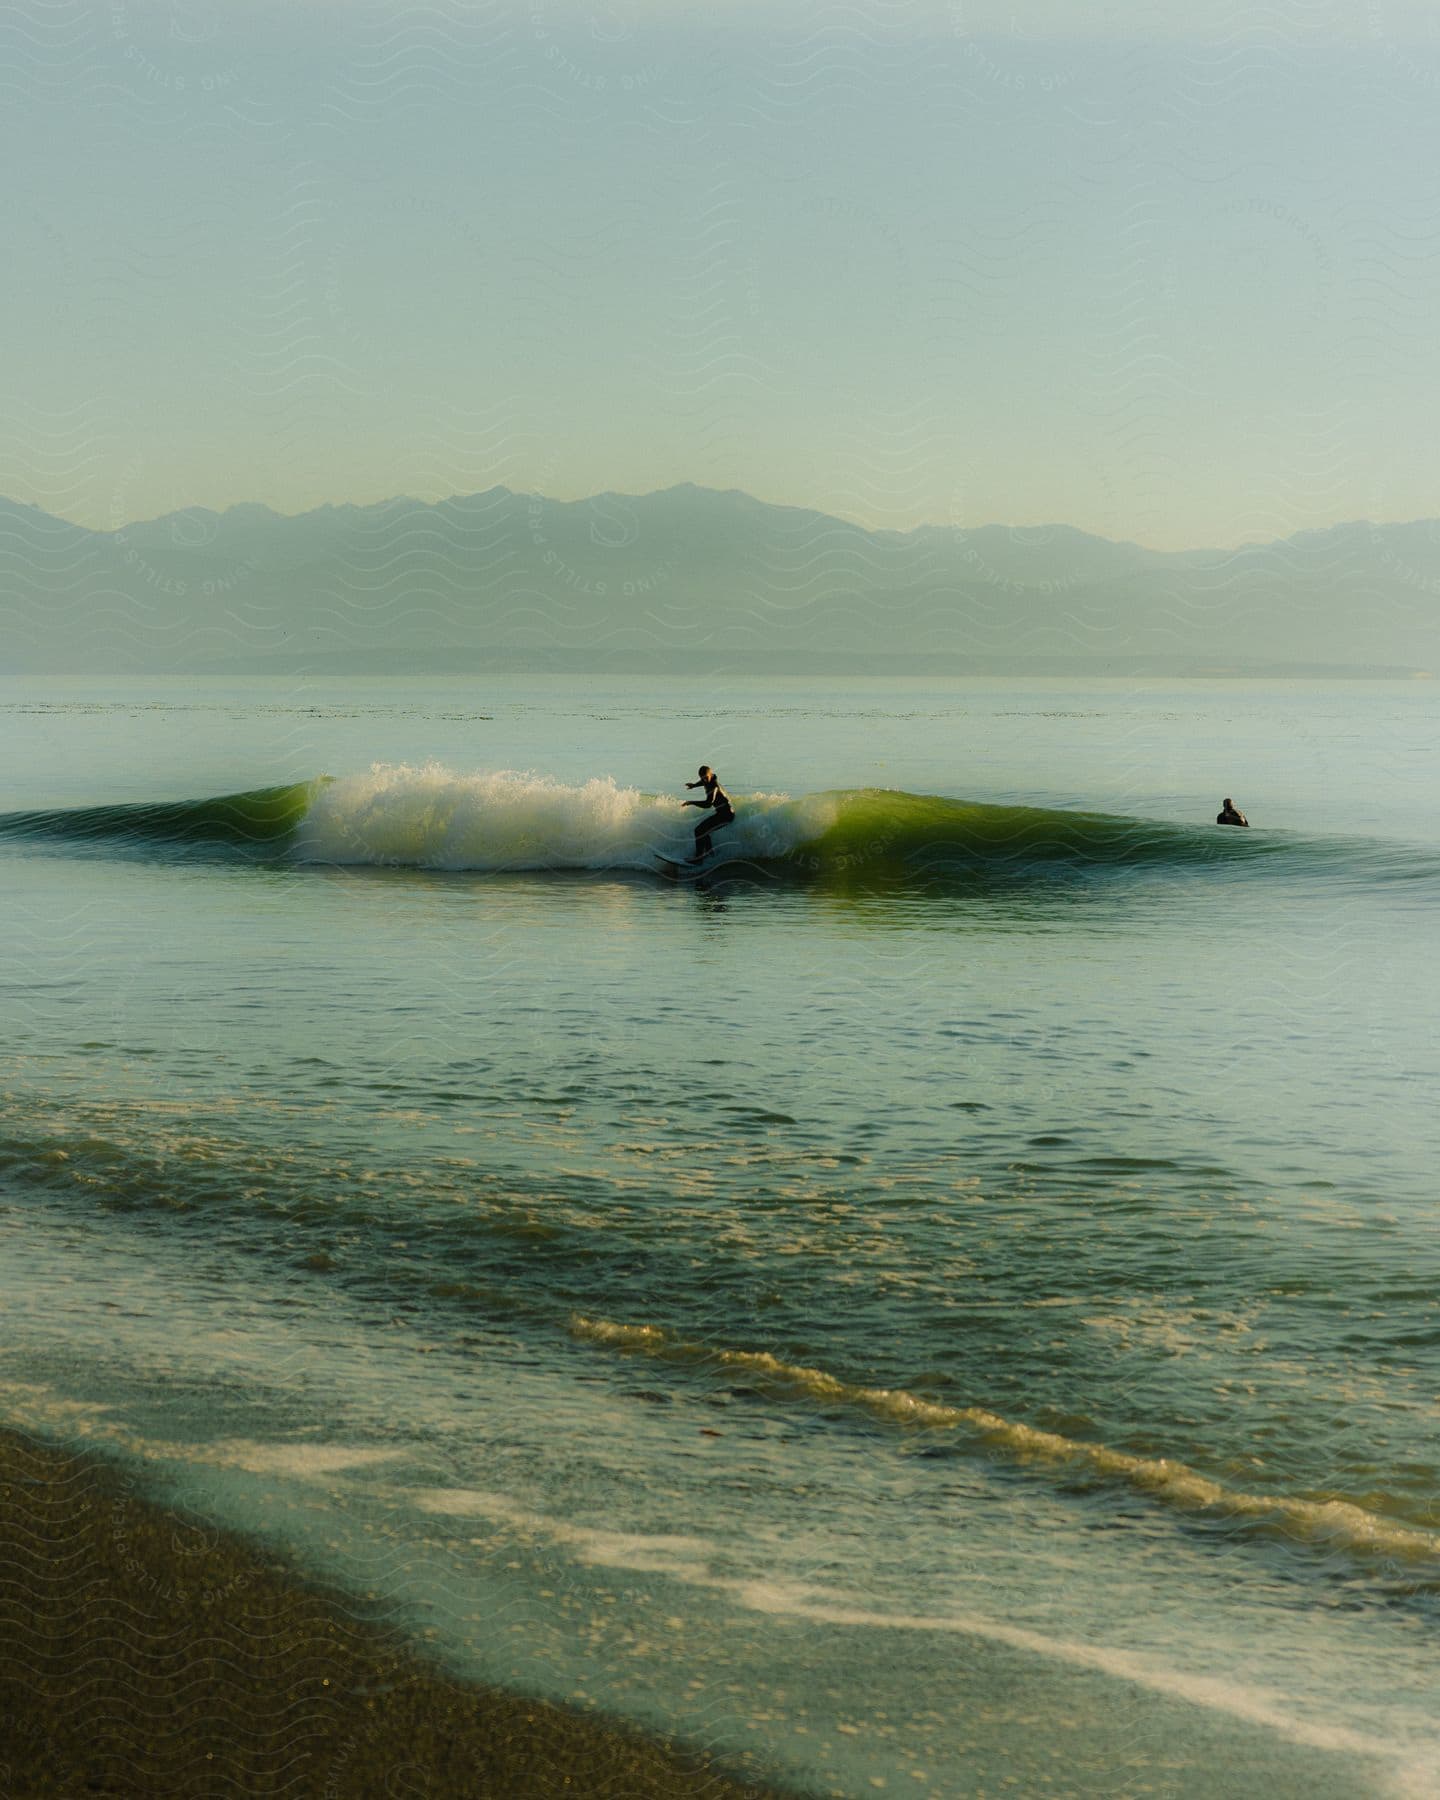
x=261, y=820
x=885, y=832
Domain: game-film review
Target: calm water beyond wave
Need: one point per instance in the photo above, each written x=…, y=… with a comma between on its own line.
x=948, y=1297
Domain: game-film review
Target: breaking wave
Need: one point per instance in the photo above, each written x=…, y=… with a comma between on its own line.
x=432, y=817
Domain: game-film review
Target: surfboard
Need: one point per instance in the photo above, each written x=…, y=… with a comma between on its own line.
x=675, y=871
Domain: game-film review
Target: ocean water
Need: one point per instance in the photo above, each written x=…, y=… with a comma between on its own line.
x=945, y=1302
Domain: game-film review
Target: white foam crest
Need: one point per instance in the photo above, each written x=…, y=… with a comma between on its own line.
x=1331, y=1522
x=432, y=817
x=658, y=1553
x=304, y=1462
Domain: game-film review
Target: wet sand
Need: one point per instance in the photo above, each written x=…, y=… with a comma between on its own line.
x=144, y=1653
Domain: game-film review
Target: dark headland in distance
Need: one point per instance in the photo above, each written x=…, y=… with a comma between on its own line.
x=145, y=1654
x=662, y=582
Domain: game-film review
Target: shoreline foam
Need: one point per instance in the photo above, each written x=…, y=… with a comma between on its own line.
x=143, y=1652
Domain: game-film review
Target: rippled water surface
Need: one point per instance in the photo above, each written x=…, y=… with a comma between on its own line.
x=949, y=1294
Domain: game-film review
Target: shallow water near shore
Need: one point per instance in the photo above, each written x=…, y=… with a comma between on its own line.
x=949, y=1294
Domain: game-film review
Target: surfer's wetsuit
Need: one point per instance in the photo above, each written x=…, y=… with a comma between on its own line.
x=1230, y=814
x=724, y=812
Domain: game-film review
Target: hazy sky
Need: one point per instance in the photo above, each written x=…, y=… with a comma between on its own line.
x=1160, y=271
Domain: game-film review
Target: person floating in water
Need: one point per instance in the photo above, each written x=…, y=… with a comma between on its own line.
x=1230, y=814
x=716, y=798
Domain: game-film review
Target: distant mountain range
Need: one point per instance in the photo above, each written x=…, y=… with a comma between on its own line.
x=696, y=580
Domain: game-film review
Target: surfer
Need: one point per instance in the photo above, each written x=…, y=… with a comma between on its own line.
x=715, y=798
x=1230, y=814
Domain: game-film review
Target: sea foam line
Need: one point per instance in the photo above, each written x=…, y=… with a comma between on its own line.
x=1332, y=1522
x=1407, y=1770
